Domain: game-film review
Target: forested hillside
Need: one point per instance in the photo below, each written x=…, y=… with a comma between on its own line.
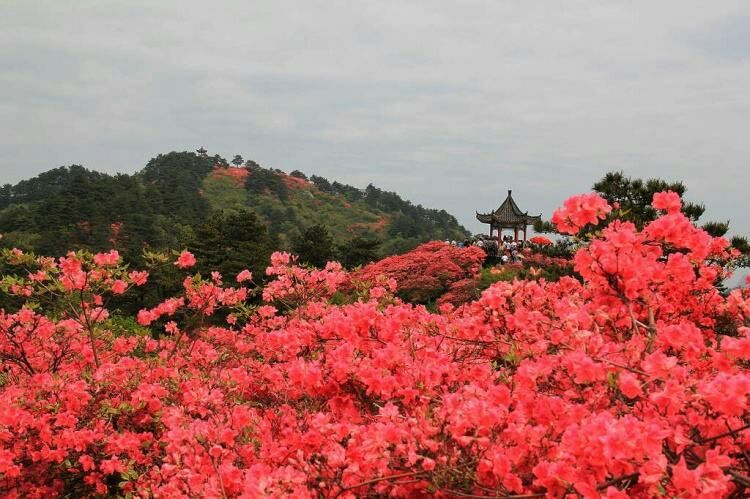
x=181, y=195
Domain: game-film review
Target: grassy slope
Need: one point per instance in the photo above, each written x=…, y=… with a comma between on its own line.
x=309, y=206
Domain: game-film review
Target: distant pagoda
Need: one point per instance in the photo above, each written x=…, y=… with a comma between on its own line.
x=508, y=216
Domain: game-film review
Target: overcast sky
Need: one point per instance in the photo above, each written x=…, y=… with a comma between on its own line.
x=447, y=103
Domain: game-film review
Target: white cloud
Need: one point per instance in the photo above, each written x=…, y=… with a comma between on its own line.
x=448, y=103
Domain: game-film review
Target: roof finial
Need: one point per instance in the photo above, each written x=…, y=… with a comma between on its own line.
x=509, y=191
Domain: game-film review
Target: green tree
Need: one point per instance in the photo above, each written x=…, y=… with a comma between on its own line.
x=237, y=160
x=716, y=229
x=742, y=244
x=231, y=242
x=261, y=180
x=634, y=197
x=6, y=195
x=314, y=246
x=544, y=227
x=321, y=183
x=173, y=181
x=218, y=160
x=404, y=226
x=359, y=251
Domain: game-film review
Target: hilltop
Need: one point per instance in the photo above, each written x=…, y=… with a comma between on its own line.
x=170, y=201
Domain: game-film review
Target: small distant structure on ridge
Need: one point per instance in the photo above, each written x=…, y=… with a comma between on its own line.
x=508, y=216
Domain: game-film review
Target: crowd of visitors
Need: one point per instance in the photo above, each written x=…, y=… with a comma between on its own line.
x=508, y=250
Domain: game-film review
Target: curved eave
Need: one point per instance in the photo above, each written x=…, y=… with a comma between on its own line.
x=485, y=218
x=490, y=218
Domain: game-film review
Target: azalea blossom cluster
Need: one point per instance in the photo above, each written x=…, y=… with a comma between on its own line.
x=579, y=211
x=429, y=271
x=294, y=285
x=540, y=241
x=632, y=382
x=541, y=260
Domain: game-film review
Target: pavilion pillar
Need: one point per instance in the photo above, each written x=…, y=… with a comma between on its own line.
x=515, y=233
x=524, y=233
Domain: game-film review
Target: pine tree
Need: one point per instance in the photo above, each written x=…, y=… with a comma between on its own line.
x=232, y=242
x=314, y=246
x=359, y=251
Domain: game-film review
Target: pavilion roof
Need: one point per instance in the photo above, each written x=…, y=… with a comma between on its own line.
x=508, y=214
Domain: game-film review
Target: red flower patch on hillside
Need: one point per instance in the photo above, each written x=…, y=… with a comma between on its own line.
x=238, y=175
x=379, y=225
x=295, y=183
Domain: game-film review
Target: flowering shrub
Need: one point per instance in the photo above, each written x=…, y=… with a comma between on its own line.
x=461, y=292
x=294, y=285
x=540, y=241
x=428, y=271
x=541, y=260
x=551, y=268
x=579, y=211
x=632, y=383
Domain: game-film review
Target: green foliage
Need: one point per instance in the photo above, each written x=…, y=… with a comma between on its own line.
x=349, y=192
x=261, y=180
x=126, y=325
x=359, y=251
x=174, y=179
x=404, y=226
x=544, y=227
x=219, y=161
x=162, y=206
x=716, y=229
x=634, y=197
x=314, y=246
x=562, y=248
x=395, y=245
x=223, y=194
x=230, y=242
x=488, y=277
x=72, y=207
x=321, y=183
x=741, y=244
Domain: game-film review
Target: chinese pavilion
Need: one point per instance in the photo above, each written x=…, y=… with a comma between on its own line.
x=508, y=216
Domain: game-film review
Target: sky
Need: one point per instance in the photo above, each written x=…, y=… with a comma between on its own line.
x=450, y=104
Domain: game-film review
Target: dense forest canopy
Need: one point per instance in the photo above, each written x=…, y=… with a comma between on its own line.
x=181, y=194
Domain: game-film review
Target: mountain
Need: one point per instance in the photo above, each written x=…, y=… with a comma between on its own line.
x=180, y=198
